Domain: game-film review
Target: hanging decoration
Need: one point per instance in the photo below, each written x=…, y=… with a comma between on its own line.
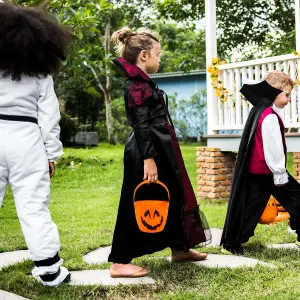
x=221, y=92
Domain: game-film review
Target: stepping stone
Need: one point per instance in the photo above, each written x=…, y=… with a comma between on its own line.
x=10, y=258
x=98, y=256
x=9, y=296
x=96, y=277
x=216, y=237
x=229, y=261
x=284, y=246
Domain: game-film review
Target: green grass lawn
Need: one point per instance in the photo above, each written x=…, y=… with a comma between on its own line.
x=84, y=202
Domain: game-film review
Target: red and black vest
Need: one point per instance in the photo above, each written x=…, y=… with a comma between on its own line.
x=257, y=163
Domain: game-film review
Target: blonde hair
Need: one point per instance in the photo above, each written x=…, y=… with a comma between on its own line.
x=279, y=80
x=130, y=43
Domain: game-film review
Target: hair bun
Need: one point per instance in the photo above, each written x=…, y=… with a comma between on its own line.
x=122, y=35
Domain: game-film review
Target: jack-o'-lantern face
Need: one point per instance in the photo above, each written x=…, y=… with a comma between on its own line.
x=152, y=219
x=151, y=215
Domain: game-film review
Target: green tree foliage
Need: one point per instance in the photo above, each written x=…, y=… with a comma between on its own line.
x=181, y=10
x=183, y=48
x=69, y=127
x=189, y=116
x=268, y=24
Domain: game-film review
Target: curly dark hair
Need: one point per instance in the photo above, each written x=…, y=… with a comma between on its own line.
x=32, y=41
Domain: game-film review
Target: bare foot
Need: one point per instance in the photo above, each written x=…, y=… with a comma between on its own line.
x=191, y=255
x=127, y=270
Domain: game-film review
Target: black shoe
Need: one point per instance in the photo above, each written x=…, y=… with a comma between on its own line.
x=235, y=250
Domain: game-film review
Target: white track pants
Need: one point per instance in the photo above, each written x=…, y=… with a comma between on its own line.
x=24, y=165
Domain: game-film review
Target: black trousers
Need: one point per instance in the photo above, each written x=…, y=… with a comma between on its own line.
x=260, y=188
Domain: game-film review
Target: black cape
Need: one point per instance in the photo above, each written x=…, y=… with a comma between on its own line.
x=261, y=96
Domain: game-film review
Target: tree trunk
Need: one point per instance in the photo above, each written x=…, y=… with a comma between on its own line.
x=109, y=118
x=106, y=89
x=108, y=114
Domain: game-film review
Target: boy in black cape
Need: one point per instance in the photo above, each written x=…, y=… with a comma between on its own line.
x=261, y=164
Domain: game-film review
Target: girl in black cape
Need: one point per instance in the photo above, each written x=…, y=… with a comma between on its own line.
x=151, y=152
x=261, y=164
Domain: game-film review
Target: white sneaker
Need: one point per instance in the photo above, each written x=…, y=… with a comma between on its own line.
x=290, y=230
x=64, y=276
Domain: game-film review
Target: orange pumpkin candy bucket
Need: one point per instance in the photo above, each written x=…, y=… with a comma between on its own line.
x=151, y=215
x=270, y=213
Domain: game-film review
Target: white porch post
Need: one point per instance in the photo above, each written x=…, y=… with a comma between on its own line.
x=211, y=51
x=297, y=24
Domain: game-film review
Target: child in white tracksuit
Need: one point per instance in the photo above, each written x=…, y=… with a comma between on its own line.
x=29, y=128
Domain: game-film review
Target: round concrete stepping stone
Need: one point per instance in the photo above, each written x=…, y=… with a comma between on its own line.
x=98, y=256
x=216, y=237
x=10, y=258
x=284, y=246
x=229, y=261
x=92, y=277
x=9, y=296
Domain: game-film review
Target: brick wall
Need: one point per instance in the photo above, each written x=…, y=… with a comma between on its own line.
x=214, y=172
x=297, y=166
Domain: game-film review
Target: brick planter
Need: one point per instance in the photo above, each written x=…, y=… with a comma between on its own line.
x=297, y=166
x=214, y=172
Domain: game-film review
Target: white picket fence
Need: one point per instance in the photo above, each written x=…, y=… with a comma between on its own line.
x=233, y=113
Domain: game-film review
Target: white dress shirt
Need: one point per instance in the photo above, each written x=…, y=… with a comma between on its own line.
x=273, y=146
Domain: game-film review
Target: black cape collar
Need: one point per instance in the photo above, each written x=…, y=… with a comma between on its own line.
x=260, y=93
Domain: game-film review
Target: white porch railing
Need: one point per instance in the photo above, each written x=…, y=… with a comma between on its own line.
x=233, y=113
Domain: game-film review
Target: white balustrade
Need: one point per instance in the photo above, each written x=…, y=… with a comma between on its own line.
x=233, y=113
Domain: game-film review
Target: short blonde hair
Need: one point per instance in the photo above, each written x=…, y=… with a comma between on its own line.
x=279, y=80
